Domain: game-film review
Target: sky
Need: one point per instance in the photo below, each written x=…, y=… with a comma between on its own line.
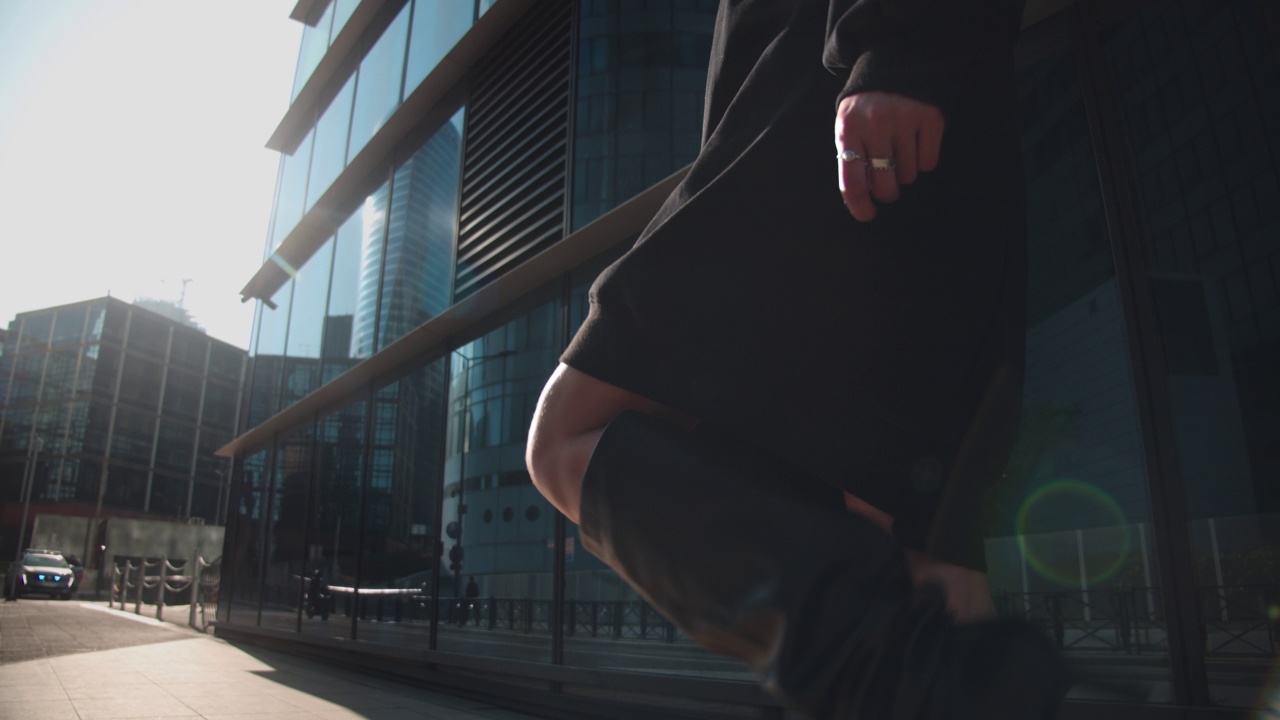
x=132, y=151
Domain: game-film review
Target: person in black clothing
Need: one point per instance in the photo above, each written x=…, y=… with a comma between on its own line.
x=780, y=415
x=472, y=592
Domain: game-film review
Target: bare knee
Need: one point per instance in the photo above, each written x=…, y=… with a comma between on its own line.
x=572, y=411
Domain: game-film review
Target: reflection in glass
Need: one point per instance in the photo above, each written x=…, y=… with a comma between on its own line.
x=497, y=531
x=378, y=83
x=1070, y=547
x=398, y=555
x=282, y=585
x=306, y=325
x=437, y=26
x=331, y=144
x=639, y=98
x=68, y=326
x=373, y=226
x=421, y=231
x=338, y=349
x=242, y=567
x=315, y=41
x=291, y=194
x=34, y=334
x=334, y=546
x=1194, y=82
x=267, y=364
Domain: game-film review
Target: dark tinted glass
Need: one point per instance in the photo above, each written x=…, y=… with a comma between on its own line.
x=396, y=581
x=286, y=531
x=1199, y=101
x=641, y=79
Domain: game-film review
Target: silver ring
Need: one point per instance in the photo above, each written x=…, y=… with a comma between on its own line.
x=848, y=156
x=882, y=163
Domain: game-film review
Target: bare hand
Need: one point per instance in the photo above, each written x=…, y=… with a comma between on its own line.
x=880, y=126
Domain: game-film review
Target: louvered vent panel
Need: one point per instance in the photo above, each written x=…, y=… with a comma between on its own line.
x=513, y=172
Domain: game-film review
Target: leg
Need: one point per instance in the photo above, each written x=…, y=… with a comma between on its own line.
x=572, y=412
x=575, y=408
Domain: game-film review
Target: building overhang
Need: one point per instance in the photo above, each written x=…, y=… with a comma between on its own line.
x=427, y=106
x=441, y=333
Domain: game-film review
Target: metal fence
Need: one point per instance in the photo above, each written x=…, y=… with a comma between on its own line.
x=160, y=582
x=1238, y=620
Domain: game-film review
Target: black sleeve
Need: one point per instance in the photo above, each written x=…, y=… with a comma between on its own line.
x=932, y=50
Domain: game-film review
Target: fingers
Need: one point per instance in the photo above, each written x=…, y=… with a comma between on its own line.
x=894, y=137
x=856, y=189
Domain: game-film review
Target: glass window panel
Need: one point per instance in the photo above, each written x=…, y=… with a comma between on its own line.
x=315, y=41
x=113, y=325
x=51, y=425
x=334, y=547
x=188, y=350
x=373, y=226
x=140, y=382
x=35, y=332
x=498, y=533
x=205, y=499
x=132, y=437
x=282, y=587
x=639, y=98
x=106, y=369
x=177, y=443
x=342, y=10
x=1070, y=546
x=97, y=319
x=219, y=405
x=1197, y=90
x=310, y=291
x=268, y=363
x=225, y=362
x=181, y=395
x=148, y=334
x=400, y=509
x=378, y=83
x=168, y=496
x=126, y=487
x=331, y=143
x=437, y=26
x=242, y=567
x=60, y=374
x=421, y=231
x=338, y=351
x=16, y=435
x=68, y=326
x=291, y=195
x=95, y=431
x=27, y=371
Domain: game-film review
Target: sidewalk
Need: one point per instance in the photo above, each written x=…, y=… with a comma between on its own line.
x=155, y=669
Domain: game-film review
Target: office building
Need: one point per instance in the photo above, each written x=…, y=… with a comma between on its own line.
x=108, y=409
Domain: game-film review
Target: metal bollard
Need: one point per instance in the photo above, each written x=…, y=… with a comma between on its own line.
x=160, y=588
x=142, y=580
x=194, y=590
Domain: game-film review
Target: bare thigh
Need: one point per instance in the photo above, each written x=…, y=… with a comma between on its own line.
x=574, y=409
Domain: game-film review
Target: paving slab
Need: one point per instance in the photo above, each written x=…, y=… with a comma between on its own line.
x=54, y=666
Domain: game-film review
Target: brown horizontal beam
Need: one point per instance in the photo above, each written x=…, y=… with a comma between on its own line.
x=433, y=338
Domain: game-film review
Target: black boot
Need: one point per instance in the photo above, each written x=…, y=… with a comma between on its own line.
x=739, y=551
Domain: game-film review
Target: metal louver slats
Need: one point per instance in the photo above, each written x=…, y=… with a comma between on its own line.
x=514, y=176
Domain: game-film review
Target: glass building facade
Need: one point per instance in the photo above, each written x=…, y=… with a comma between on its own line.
x=111, y=410
x=453, y=176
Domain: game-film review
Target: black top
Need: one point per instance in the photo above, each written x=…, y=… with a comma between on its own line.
x=885, y=357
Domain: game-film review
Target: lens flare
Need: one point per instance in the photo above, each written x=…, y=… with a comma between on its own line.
x=1054, y=556
x=1268, y=705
